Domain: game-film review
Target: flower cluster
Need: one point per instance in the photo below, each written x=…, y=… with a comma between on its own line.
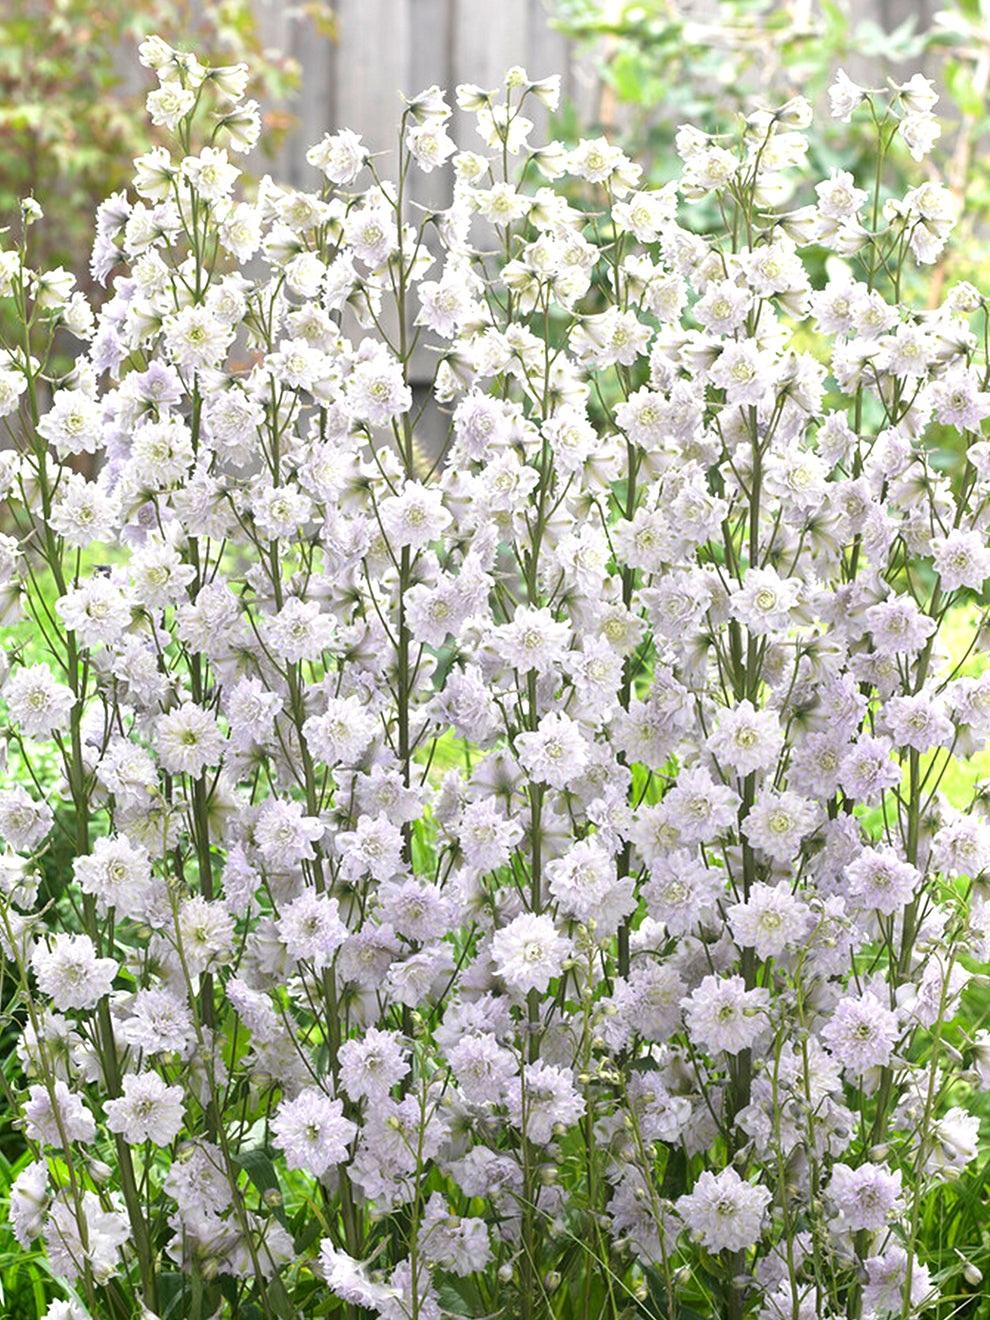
x=530, y=846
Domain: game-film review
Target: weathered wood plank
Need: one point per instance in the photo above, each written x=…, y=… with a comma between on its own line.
x=431, y=61
x=372, y=66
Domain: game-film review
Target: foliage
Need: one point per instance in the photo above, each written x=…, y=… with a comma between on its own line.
x=72, y=111
x=661, y=68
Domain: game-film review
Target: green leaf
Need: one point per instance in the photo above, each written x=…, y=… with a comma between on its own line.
x=279, y=1299
x=451, y=1300
x=261, y=1171
x=657, y=1306
x=959, y=81
x=306, y=1233
x=674, y=1175
x=172, y=1290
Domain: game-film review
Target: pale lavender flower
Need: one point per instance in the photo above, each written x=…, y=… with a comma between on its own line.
x=881, y=880
x=861, y=1033
x=779, y=823
x=547, y=1098
x=722, y=1015
x=555, y=753
x=529, y=952
x=867, y=1197
x=746, y=739
x=313, y=1132
x=148, y=1110
x=770, y=920
x=723, y=1211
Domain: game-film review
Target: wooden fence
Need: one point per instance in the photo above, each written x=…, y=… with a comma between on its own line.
x=383, y=47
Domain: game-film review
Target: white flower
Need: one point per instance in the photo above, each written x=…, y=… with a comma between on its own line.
x=533, y=640
x=722, y=1015
x=169, y=103
x=529, y=952
x=920, y=133
x=158, y=575
x=229, y=80
x=746, y=739
x=12, y=386
x=883, y=1294
x=57, y=1116
x=429, y=145
x=188, y=740
x=38, y=703
x=348, y=1279
x=844, y=96
x=599, y=161
x=919, y=721
x=881, y=880
x=205, y=932
x=838, y=196
x=310, y=928
x=159, y=1022
x=779, y=822
x=584, y=882
x=371, y=234
x=555, y=753
x=377, y=392
x=484, y=1069
x=313, y=1132
x=71, y=974
x=766, y=603
x=961, y=559
x=370, y=1065
x=861, y=1032
x=451, y=1242
x=414, y=517
x=724, y=1211
x=608, y=338
x=918, y=94
x=300, y=631
x=340, y=156
x=195, y=339
x=546, y=1098
x=342, y=732
x=161, y=454
x=698, y=808
x=106, y=1233
x=210, y=173
x=486, y=836
x=118, y=874
x=240, y=231
x=645, y=214
x=242, y=125
x=955, y=1140
x=83, y=512
x=24, y=822
x=28, y=1202
x=374, y=847
x=98, y=611
x=444, y=305
x=770, y=920
x=867, y=1197
x=148, y=1110
x=280, y=513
